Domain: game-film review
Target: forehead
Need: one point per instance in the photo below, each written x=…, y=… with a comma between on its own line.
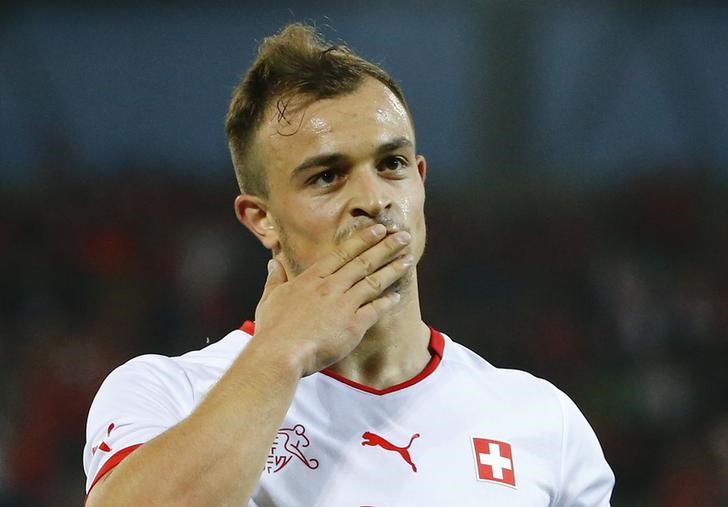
x=349, y=124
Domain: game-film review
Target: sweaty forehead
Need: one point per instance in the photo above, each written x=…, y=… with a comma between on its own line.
x=299, y=124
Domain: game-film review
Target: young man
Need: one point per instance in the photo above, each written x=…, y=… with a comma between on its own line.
x=339, y=394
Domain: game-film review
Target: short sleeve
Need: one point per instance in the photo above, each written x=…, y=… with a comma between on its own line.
x=586, y=479
x=138, y=401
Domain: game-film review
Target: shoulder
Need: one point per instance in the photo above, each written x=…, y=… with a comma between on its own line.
x=175, y=378
x=460, y=361
x=530, y=406
x=150, y=393
x=219, y=353
x=517, y=396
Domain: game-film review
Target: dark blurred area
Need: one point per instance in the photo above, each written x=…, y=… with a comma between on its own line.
x=577, y=215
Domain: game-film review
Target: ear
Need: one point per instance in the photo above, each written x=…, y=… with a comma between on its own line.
x=252, y=212
x=421, y=166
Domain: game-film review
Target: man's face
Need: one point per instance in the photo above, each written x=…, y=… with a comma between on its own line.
x=338, y=165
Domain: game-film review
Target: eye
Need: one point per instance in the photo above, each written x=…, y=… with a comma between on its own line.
x=324, y=178
x=394, y=163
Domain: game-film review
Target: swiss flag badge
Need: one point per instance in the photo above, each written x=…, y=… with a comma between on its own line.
x=494, y=461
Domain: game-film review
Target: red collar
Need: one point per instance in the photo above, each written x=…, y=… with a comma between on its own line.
x=436, y=348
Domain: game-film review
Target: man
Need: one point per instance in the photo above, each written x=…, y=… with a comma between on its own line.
x=339, y=394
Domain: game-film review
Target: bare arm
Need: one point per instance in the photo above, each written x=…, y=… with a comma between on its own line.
x=216, y=455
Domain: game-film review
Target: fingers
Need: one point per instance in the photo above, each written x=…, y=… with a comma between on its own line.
x=363, y=265
x=372, y=285
x=276, y=276
x=371, y=312
x=349, y=249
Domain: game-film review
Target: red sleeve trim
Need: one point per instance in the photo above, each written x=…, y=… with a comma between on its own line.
x=112, y=462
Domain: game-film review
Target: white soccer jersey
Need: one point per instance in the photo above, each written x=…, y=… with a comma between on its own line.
x=460, y=433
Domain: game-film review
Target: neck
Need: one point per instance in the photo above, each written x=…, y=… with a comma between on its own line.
x=392, y=351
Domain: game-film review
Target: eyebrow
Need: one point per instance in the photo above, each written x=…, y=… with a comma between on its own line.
x=329, y=159
x=394, y=145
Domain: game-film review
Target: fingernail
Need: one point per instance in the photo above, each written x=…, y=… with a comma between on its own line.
x=408, y=259
x=271, y=266
x=378, y=230
x=402, y=237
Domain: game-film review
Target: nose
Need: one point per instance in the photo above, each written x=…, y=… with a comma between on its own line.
x=370, y=194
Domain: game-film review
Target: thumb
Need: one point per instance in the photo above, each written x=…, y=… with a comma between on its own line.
x=276, y=276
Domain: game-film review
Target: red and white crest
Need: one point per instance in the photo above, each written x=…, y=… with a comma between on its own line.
x=494, y=461
x=289, y=443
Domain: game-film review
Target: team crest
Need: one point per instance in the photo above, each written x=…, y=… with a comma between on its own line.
x=289, y=443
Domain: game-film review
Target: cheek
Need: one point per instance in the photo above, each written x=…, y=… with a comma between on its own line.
x=413, y=213
x=412, y=209
x=311, y=222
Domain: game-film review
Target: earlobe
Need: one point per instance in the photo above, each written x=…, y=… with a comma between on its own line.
x=252, y=212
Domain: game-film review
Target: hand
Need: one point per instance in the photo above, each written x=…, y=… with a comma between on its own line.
x=322, y=314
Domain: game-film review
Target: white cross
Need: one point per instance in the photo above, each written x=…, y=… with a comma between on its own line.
x=495, y=460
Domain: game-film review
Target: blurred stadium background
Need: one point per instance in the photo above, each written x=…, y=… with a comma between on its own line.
x=578, y=209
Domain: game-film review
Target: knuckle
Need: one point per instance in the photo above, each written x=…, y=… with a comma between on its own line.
x=341, y=254
x=394, y=244
x=374, y=282
x=323, y=289
x=365, y=263
x=375, y=309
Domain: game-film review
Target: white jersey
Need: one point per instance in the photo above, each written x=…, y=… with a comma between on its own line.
x=462, y=432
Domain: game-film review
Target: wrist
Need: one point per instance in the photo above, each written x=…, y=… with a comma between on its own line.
x=284, y=360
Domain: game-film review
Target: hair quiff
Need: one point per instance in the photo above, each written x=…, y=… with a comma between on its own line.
x=296, y=62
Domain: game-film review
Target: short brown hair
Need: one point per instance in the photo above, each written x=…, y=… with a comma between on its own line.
x=295, y=62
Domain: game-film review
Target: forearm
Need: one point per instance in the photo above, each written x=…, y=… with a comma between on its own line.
x=216, y=455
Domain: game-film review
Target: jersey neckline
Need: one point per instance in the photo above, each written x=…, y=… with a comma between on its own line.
x=436, y=348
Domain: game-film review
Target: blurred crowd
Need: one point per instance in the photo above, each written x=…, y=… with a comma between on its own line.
x=617, y=294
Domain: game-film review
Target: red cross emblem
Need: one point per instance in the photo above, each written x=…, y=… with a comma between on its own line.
x=494, y=461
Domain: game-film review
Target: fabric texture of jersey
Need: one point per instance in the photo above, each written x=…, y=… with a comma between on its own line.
x=464, y=433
